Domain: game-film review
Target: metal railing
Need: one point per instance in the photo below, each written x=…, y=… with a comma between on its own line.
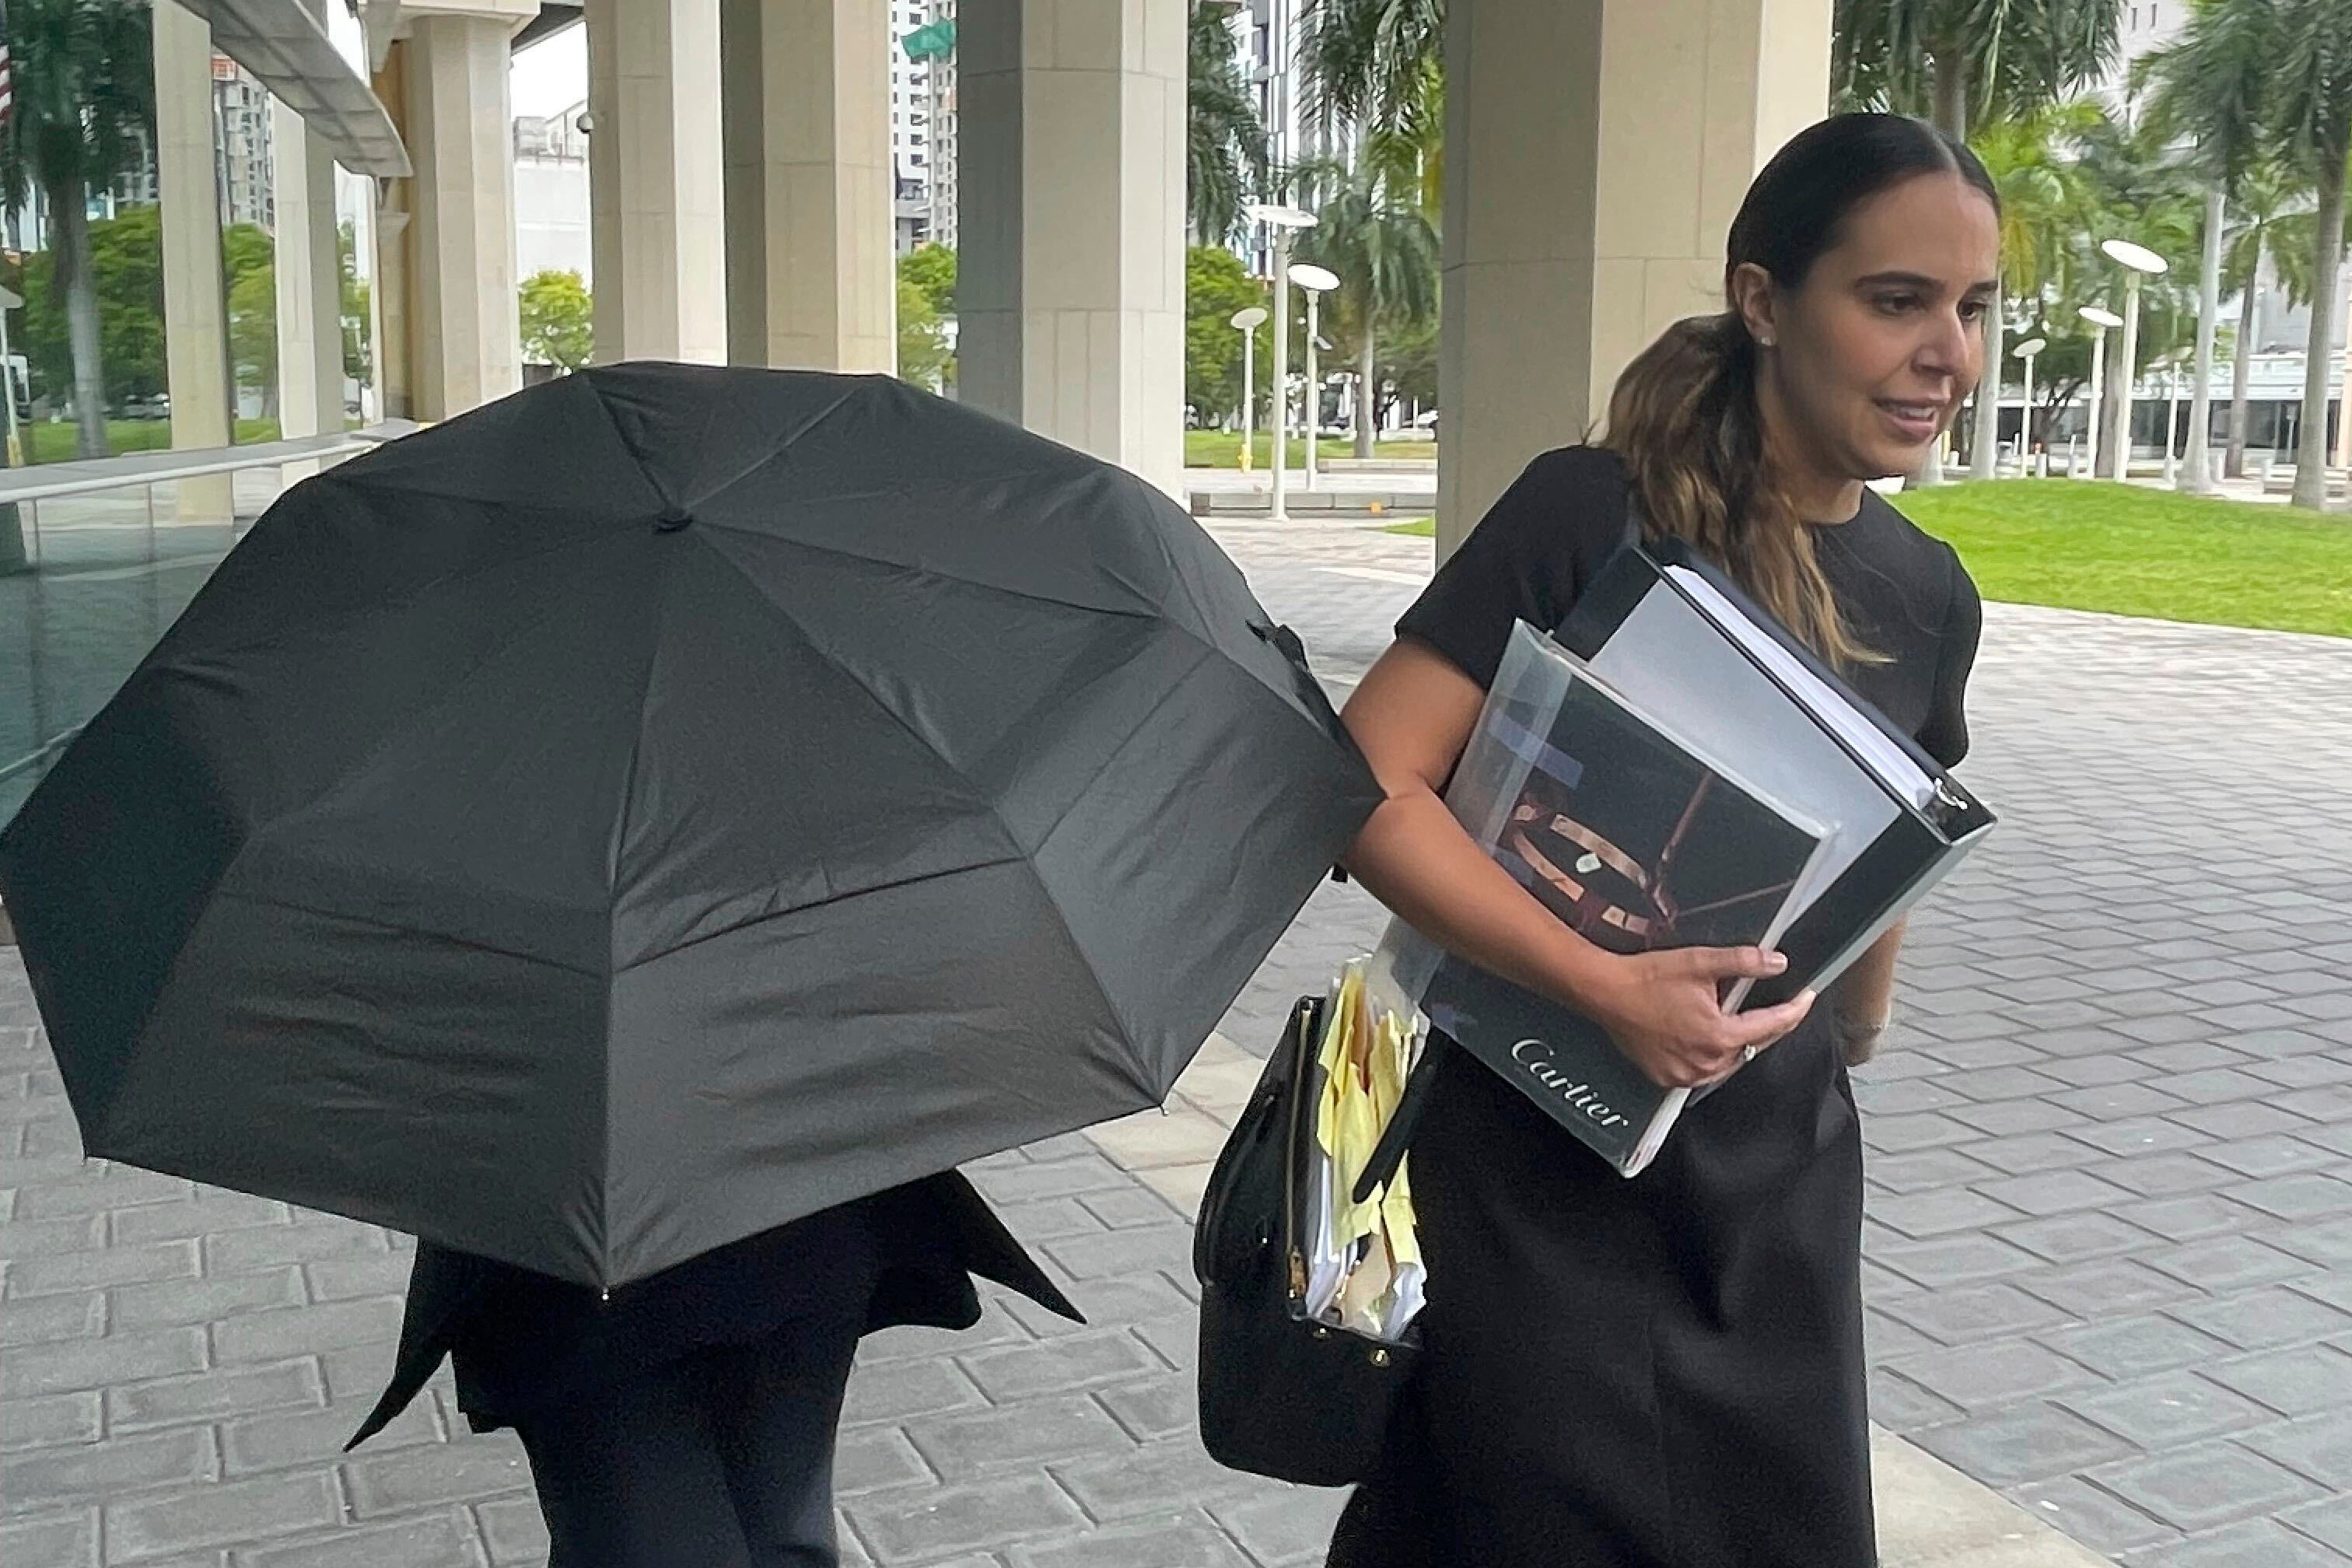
x=28, y=488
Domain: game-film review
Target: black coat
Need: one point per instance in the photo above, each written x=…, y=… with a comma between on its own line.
x=908, y=1254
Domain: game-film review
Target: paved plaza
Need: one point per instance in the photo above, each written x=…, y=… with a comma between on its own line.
x=2109, y=1243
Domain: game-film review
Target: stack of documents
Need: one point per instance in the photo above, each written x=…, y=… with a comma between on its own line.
x=1364, y=1268
x=1669, y=769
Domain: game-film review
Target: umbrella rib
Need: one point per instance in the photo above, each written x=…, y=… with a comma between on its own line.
x=764, y=916
x=364, y=468
x=280, y=629
x=617, y=846
x=791, y=439
x=218, y=888
x=843, y=553
x=620, y=437
x=879, y=490
x=1111, y=1008
x=783, y=446
x=377, y=922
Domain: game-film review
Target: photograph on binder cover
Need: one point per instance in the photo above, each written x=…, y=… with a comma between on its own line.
x=1671, y=635
x=1630, y=836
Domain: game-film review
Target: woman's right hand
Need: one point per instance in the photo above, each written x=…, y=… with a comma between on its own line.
x=1663, y=1010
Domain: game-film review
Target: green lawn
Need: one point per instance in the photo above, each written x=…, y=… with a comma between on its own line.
x=54, y=443
x=1222, y=449
x=2084, y=545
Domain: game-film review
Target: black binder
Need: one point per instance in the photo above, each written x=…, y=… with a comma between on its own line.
x=1914, y=849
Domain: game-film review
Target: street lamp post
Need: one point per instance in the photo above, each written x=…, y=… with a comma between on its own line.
x=1248, y=321
x=2171, y=417
x=2026, y=352
x=2102, y=318
x=2139, y=262
x=1314, y=282
x=1283, y=221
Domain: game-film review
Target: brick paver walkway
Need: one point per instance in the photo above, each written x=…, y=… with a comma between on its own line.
x=2111, y=1168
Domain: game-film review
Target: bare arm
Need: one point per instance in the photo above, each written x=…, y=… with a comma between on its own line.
x=1412, y=716
x=1861, y=1002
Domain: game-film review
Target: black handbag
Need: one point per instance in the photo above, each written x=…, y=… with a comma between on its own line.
x=1282, y=1394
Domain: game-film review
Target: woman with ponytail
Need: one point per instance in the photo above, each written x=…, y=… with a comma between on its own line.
x=1667, y=1372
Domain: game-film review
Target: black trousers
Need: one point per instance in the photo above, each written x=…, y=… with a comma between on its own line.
x=718, y=1458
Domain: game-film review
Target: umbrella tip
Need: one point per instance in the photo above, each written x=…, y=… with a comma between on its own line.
x=672, y=519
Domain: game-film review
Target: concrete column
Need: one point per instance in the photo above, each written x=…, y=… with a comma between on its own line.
x=811, y=274
x=1596, y=152
x=389, y=291
x=310, y=266
x=196, y=311
x=653, y=180
x=464, y=343
x=1070, y=292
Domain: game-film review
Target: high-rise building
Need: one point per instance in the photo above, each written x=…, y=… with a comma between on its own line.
x=1267, y=36
x=551, y=176
x=2142, y=27
x=241, y=135
x=923, y=122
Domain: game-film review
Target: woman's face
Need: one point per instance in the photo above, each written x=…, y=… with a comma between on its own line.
x=1864, y=364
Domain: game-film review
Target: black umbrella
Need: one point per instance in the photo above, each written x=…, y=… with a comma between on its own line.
x=666, y=802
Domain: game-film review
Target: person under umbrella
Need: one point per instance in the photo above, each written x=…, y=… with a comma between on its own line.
x=640, y=837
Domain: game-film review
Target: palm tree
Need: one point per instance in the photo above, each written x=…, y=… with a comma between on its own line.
x=2274, y=222
x=1380, y=64
x=1224, y=147
x=1377, y=236
x=1376, y=63
x=2038, y=197
x=2305, y=74
x=2197, y=96
x=85, y=94
x=2131, y=187
x=1958, y=60
x=2287, y=65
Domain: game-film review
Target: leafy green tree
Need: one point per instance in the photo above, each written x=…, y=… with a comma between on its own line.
x=923, y=357
x=126, y=266
x=933, y=269
x=558, y=324
x=83, y=90
x=1216, y=286
x=253, y=332
x=1411, y=369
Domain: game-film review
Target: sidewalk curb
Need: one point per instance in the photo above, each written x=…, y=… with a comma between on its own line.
x=1929, y=1514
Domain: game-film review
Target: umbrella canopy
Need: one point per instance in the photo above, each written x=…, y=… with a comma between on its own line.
x=666, y=803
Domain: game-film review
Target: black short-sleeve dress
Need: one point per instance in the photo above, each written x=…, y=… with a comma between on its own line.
x=1665, y=1372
